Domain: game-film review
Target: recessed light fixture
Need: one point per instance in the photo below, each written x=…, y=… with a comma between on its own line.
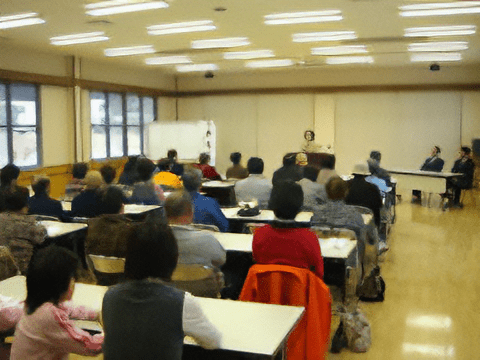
x=18, y=20
x=324, y=36
x=79, y=38
x=132, y=50
x=435, y=57
x=220, y=43
x=439, y=9
x=438, y=46
x=340, y=50
x=269, y=63
x=113, y=7
x=303, y=17
x=182, y=27
x=247, y=55
x=430, y=31
x=168, y=60
x=197, y=67
x=342, y=60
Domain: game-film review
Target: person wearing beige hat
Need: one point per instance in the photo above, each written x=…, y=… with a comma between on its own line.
x=88, y=203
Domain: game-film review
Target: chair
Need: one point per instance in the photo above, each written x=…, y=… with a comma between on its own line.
x=199, y=280
x=109, y=270
x=206, y=227
x=288, y=285
x=324, y=232
x=252, y=227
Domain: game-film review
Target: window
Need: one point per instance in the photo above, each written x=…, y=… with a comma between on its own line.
x=19, y=125
x=118, y=121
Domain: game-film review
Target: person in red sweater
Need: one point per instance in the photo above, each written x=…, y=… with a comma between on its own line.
x=208, y=171
x=282, y=243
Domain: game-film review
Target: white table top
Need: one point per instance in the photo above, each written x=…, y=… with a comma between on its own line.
x=331, y=248
x=57, y=228
x=265, y=215
x=424, y=173
x=245, y=326
x=218, y=184
x=128, y=209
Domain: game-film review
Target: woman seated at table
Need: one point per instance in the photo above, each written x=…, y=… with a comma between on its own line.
x=282, y=243
x=208, y=171
x=144, y=318
x=145, y=191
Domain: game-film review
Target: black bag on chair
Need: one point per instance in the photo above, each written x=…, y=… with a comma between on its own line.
x=372, y=288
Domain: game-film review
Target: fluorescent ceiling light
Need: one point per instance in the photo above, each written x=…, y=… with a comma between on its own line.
x=340, y=50
x=439, y=46
x=303, y=17
x=430, y=31
x=324, y=36
x=113, y=7
x=18, y=20
x=269, y=63
x=197, y=67
x=341, y=60
x=79, y=38
x=438, y=9
x=435, y=57
x=246, y=55
x=168, y=60
x=182, y=27
x=132, y=50
x=220, y=43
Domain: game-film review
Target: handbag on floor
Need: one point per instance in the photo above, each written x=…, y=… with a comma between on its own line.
x=373, y=287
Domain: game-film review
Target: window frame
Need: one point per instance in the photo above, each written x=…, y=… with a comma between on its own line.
x=10, y=126
x=124, y=126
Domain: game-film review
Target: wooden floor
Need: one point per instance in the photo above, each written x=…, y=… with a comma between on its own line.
x=432, y=272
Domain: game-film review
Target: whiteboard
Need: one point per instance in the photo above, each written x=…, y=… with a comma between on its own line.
x=189, y=138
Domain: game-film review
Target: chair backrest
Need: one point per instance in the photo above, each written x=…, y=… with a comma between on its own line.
x=206, y=227
x=327, y=232
x=8, y=267
x=362, y=209
x=252, y=227
x=199, y=280
x=108, y=264
x=45, y=218
x=192, y=272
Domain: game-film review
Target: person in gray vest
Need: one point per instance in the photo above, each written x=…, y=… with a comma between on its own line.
x=145, y=318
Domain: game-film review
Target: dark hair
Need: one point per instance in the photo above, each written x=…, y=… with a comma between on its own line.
x=163, y=165
x=48, y=276
x=79, y=170
x=376, y=155
x=9, y=173
x=40, y=185
x=172, y=154
x=466, y=150
x=286, y=199
x=130, y=164
x=152, y=251
x=289, y=159
x=145, y=169
x=235, y=158
x=204, y=158
x=336, y=188
x=255, y=165
x=311, y=133
x=112, y=200
x=328, y=162
x=178, y=203
x=108, y=174
x=310, y=172
x=192, y=179
x=438, y=149
x=16, y=199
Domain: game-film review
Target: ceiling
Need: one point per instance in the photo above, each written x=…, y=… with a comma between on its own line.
x=376, y=22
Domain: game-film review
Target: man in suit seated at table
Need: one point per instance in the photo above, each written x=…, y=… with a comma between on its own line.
x=256, y=186
x=195, y=246
x=432, y=163
x=41, y=203
x=206, y=210
x=465, y=166
x=289, y=171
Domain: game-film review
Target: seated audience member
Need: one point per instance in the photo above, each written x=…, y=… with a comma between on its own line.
x=108, y=174
x=363, y=193
x=236, y=171
x=206, y=210
x=327, y=171
x=374, y=166
x=45, y=330
x=195, y=246
x=129, y=175
x=256, y=186
x=432, y=163
x=283, y=244
x=208, y=171
x=144, y=317
x=88, y=203
x=289, y=170
x=8, y=179
x=76, y=185
x=175, y=167
x=18, y=231
x=313, y=192
x=465, y=166
x=41, y=203
x=145, y=191
x=166, y=179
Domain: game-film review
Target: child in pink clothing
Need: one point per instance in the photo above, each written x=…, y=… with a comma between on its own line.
x=45, y=330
